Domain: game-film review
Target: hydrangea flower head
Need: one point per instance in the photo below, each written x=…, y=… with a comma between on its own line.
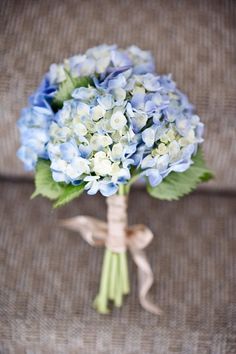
x=128, y=121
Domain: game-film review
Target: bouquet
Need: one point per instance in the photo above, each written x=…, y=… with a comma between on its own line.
x=97, y=123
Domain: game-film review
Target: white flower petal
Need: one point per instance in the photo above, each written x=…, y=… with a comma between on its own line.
x=118, y=120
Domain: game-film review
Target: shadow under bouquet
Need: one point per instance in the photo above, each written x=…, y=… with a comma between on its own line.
x=97, y=123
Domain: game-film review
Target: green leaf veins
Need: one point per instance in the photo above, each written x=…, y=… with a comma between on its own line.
x=178, y=184
x=62, y=193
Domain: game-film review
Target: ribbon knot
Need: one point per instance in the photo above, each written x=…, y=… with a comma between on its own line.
x=116, y=236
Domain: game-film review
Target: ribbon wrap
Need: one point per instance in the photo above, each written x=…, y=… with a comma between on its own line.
x=117, y=236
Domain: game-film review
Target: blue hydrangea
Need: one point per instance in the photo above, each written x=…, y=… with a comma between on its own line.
x=34, y=126
x=170, y=131
x=99, y=62
x=129, y=121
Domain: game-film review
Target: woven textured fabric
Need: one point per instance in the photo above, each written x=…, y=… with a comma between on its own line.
x=49, y=277
x=194, y=40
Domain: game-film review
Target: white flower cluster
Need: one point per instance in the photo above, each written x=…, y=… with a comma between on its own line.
x=91, y=141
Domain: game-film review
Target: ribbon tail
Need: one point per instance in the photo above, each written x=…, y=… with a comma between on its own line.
x=145, y=280
x=92, y=230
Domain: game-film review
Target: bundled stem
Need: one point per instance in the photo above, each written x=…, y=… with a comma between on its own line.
x=114, y=281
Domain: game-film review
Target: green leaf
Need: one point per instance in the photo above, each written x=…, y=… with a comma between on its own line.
x=47, y=187
x=70, y=192
x=178, y=184
x=44, y=183
x=67, y=87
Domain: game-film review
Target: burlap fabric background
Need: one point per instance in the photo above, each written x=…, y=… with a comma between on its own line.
x=49, y=276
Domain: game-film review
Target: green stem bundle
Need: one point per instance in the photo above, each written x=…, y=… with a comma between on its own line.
x=114, y=281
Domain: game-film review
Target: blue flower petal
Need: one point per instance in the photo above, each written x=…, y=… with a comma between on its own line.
x=69, y=151
x=154, y=177
x=107, y=188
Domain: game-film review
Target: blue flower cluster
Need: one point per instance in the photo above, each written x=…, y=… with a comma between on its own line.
x=98, y=62
x=130, y=121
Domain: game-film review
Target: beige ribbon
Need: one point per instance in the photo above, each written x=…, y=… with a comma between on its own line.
x=116, y=236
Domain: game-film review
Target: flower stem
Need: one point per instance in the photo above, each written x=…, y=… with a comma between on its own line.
x=133, y=179
x=122, y=189
x=124, y=273
x=118, y=295
x=113, y=273
x=101, y=300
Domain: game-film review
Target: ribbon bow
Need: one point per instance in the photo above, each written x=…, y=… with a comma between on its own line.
x=95, y=232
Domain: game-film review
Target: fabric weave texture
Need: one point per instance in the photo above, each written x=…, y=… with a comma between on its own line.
x=49, y=277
